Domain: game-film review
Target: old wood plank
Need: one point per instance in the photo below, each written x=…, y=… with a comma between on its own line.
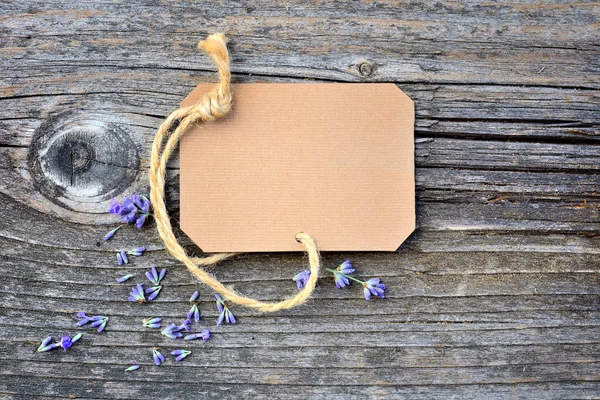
x=494, y=296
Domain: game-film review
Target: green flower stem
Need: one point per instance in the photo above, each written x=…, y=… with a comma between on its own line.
x=347, y=276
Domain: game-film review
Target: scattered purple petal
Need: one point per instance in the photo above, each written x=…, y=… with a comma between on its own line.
x=181, y=354
x=124, y=257
x=225, y=314
x=48, y=347
x=138, y=251
x=137, y=294
x=204, y=335
x=153, y=323
x=124, y=278
x=76, y=337
x=110, y=234
x=154, y=291
x=185, y=325
x=44, y=343
x=172, y=332
x=194, y=297
x=154, y=277
x=119, y=259
x=158, y=357
x=194, y=313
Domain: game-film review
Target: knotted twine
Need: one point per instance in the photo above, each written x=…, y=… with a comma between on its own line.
x=214, y=104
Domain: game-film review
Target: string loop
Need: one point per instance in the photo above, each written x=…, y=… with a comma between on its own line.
x=214, y=104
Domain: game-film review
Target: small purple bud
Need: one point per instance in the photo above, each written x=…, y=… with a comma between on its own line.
x=124, y=278
x=119, y=259
x=132, y=368
x=44, y=343
x=65, y=342
x=124, y=257
x=110, y=234
x=194, y=296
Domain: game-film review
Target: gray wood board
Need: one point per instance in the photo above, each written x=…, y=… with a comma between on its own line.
x=496, y=295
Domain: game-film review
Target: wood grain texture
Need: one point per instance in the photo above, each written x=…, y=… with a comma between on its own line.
x=495, y=296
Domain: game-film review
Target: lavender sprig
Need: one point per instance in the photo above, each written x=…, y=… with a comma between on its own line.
x=372, y=287
x=225, y=314
x=341, y=274
x=204, y=335
x=181, y=354
x=158, y=357
x=133, y=209
x=153, y=323
x=99, y=321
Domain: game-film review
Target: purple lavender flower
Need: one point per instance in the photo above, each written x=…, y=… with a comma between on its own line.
x=124, y=278
x=95, y=321
x=181, y=354
x=194, y=297
x=153, y=323
x=133, y=209
x=225, y=314
x=111, y=233
x=65, y=342
x=138, y=251
x=185, y=325
x=171, y=331
x=154, y=277
x=101, y=324
x=132, y=368
x=158, y=357
x=44, y=345
x=119, y=259
x=114, y=207
x=373, y=287
x=152, y=292
x=341, y=274
x=124, y=257
x=301, y=278
x=204, y=335
x=137, y=294
x=194, y=313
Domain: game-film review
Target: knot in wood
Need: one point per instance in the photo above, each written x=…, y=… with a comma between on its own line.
x=77, y=161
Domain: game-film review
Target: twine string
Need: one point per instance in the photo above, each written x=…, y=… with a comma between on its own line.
x=214, y=104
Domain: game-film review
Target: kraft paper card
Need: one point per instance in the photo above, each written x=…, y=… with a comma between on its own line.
x=335, y=161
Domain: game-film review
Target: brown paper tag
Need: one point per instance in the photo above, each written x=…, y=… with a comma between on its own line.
x=335, y=161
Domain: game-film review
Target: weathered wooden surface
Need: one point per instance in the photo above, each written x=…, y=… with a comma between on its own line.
x=495, y=296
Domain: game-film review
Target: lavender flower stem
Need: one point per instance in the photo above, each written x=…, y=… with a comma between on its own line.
x=347, y=276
